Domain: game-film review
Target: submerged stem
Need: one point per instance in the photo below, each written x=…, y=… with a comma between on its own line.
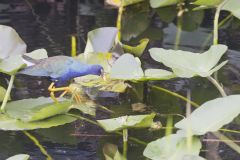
x=178, y=34
x=37, y=143
x=125, y=145
x=6, y=97
x=217, y=85
x=176, y=95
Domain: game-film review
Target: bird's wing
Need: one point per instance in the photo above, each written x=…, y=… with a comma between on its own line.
x=52, y=67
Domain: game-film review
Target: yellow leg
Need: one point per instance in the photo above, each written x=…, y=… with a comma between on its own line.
x=52, y=89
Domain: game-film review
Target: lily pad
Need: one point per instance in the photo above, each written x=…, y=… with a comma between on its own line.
x=167, y=14
x=124, y=3
x=108, y=84
x=35, y=55
x=212, y=115
x=111, y=152
x=103, y=59
x=28, y=110
x=19, y=157
x=101, y=39
x=158, y=74
x=137, y=50
x=162, y=3
x=11, y=44
x=88, y=107
x=172, y=147
x=233, y=7
x=127, y=67
x=187, y=64
x=11, y=124
x=12, y=64
x=213, y=3
x=126, y=122
x=133, y=16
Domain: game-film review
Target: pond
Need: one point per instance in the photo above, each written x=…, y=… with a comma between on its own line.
x=51, y=24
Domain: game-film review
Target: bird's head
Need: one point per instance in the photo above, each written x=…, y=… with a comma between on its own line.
x=98, y=70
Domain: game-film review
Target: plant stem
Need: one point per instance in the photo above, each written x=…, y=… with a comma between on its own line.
x=7, y=95
x=119, y=21
x=37, y=143
x=217, y=85
x=125, y=145
x=178, y=34
x=210, y=34
x=176, y=95
x=216, y=19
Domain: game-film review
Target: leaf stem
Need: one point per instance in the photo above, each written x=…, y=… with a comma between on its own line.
x=119, y=21
x=125, y=141
x=37, y=143
x=217, y=85
x=7, y=95
x=216, y=19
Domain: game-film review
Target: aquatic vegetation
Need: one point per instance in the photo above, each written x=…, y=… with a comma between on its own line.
x=188, y=64
x=19, y=157
x=111, y=152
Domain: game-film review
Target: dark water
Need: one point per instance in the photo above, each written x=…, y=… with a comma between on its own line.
x=43, y=24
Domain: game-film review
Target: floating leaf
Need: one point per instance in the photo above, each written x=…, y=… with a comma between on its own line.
x=172, y=147
x=233, y=7
x=101, y=39
x=111, y=152
x=167, y=14
x=212, y=115
x=188, y=64
x=208, y=3
x=103, y=59
x=11, y=44
x=108, y=84
x=125, y=122
x=12, y=64
x=126, y=67
x=191, y=20
x=88, y=107
x=118, y=3
x=28, y=110
x=162, y=3
x=137, y=50
x=158, y=74
x=135, y=16
x=19, y=157
x=35, y=55
x=11, y=124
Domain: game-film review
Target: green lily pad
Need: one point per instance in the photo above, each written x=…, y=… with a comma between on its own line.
x=28, y=110
x=11, y=124
x=12, y=64
x=133, y=16
x=187, y=64
x=137, y=50
x=158, y=74
x=111, y=152
x=172, y=147
x=167, y=14
x=191, y=20
x=126, y=122
x=127, y=67
x=162, y=3
x=11, y=44
x=212, y=115
x=38, y=54
x=123, y=3
x=19, y=157
x=103, y=59
x=213, y=3
x=101, y=39
x=108, y=84
x=233, y=7
x=88, y=107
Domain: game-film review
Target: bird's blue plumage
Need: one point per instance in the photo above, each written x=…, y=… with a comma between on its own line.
x=61, y=69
